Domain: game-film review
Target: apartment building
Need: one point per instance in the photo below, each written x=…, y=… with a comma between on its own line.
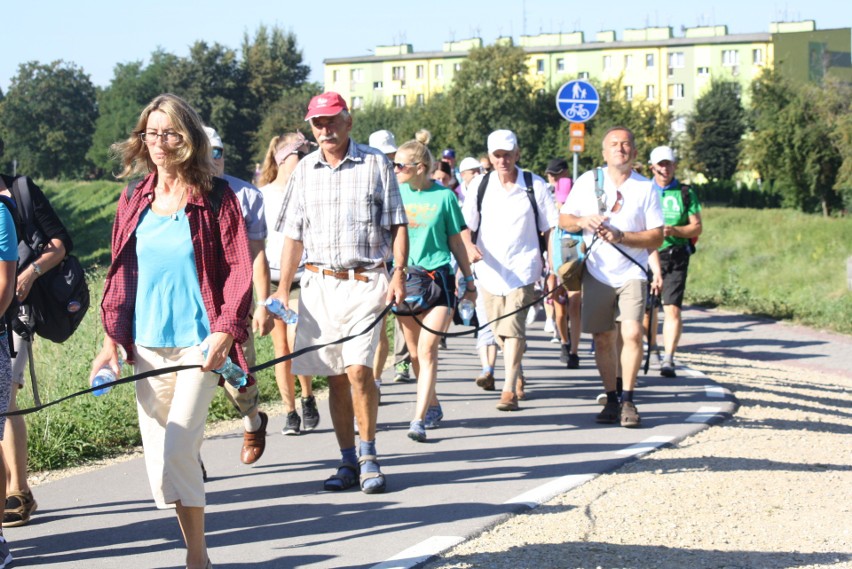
x=651, y=63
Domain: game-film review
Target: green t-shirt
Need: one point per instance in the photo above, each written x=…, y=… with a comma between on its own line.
x=434, y=216
x=671, y=200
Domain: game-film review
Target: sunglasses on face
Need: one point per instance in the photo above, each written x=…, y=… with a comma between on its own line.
x=217, y=153
x=403, y=166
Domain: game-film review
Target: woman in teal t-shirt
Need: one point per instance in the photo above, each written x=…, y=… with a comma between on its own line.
x=435, y=224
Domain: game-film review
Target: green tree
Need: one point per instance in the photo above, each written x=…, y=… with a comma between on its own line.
x=791, y=143
x=715, y=131
x=836, y=109
x=131, y=89
x=287, y=114
x=48, y=117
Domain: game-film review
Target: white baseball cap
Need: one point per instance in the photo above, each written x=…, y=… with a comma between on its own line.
x=213, y=136
x=502, y=140
x=661, y=153
x=469, y=163
x=383, y=140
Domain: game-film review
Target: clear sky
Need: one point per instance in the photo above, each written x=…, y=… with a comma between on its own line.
x=97, y=34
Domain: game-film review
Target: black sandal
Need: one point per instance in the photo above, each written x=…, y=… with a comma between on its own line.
x=337, y=482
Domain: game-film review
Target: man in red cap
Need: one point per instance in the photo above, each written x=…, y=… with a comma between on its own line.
x=345, y=210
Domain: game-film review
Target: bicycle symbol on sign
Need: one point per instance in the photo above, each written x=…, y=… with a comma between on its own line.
x=576, y=111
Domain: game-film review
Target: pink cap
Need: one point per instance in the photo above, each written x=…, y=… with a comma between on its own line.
x=326, y=105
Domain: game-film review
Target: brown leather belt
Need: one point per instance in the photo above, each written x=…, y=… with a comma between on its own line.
x=342, y=275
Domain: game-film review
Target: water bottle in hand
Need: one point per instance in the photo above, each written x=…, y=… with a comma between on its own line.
x=466, y=310
x=104, y=375
x=277, y=309
x=231, y=372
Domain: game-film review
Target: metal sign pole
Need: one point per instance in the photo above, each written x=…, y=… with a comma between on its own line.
x=574, y=177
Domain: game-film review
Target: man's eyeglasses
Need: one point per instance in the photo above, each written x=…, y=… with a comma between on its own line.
x=168, y=137
x=399, y=166
x=217, y=153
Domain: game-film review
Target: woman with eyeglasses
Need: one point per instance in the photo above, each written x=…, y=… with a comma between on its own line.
x=435, y=224
x=281, y=158
x=180, y=277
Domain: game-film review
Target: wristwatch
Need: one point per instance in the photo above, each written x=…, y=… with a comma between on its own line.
x=36, y=268
x=401, y=268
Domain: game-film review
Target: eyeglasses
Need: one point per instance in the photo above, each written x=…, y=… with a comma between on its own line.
x=217, y=153
x=168, y=137
x=398, y=166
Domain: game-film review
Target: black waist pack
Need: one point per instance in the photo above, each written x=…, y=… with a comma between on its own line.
x=421, y=291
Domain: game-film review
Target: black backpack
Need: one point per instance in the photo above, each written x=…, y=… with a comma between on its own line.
x=59, y=299
x=528, y=183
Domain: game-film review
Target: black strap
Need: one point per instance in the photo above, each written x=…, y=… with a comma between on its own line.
x=528, y=188
x=216, y=195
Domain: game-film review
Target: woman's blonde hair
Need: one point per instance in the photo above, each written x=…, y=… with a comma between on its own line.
x=191, y=157
x=419, y=153
x=269, y=168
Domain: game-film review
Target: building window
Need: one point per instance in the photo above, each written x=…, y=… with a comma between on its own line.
x=560, y=65
x=757, y=56
x=439, y=71
x=420, y=72
x=457, y=67
x=399, y=101
x=650, y=92
x=539, y=66
x=421, y=99
x=378, y=85
x=335, y=76
x=679, y=125
x=730, y=57
x=398, y=73
x=628, y=92
x=676, y=59
x=357, y=102
x=676, y=91
x=356, y=75
x=583, y=75
x=628, y=61
x=649, y=60
x=607, y=62
x=703, y=71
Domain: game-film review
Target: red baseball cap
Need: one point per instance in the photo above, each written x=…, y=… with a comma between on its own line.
x=326, y=105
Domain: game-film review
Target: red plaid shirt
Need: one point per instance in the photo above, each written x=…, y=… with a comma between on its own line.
x=222, y=260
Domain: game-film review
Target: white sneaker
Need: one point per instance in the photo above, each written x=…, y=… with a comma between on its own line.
x=549, y=325
x=5, y=553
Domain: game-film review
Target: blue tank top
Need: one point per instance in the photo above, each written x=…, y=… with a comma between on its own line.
x=169, y=310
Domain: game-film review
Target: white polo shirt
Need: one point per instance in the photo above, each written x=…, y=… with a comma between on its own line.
x=640, y=211
x=508, y=237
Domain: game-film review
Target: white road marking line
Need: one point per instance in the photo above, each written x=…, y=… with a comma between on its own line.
x=703, y=415
x=715, y=391
x=554, y=488
x=420, y=552
x=645, y=446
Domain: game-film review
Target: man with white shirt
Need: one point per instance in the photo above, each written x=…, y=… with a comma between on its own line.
x=507, y=210
x=620, y=217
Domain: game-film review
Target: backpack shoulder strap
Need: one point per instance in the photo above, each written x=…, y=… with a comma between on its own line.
x=131, y=187
x=684, y=197
x=528, y=185
x=23, y=210
x=480, y=195
x=217, y=194
x=599, y=190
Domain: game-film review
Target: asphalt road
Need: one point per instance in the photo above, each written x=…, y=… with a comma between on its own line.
x=480, y=466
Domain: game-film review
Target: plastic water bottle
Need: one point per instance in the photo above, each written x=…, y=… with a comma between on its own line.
x=232, y=373
x=277, y=309
x=466, y=310
x=104, y=375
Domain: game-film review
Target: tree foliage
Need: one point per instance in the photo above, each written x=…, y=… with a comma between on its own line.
x=47, y=119
x=715, y=131
x=791, y=145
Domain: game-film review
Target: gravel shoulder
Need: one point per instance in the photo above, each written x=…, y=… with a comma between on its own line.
x=771, y=487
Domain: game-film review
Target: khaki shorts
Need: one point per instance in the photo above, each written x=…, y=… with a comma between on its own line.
x=332, y=308
x=514, y=326
x=604, y=305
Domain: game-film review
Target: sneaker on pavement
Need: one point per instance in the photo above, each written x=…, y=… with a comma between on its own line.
x=292, y=424
x=549, y=325
x=403, y=372
x=610, y=413
x=555, y=339
x=573, y=361
x=564, y=351
x=486, y=381
x=417, y=431
x=310, y=413
x=629, y=415
x=601, y=399
x=508, y=402
x=434, y=414
x=667, y=369
x=5, y=552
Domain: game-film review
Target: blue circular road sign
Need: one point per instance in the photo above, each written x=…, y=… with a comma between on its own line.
x=577, y=101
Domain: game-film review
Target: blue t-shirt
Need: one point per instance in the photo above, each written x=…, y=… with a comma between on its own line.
x=169, y=310
x=8, y=236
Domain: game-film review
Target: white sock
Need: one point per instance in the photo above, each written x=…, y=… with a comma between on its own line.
x=251, y=425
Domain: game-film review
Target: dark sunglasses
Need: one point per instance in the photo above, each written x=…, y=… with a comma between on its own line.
x=217, y=153
x=398, y=166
